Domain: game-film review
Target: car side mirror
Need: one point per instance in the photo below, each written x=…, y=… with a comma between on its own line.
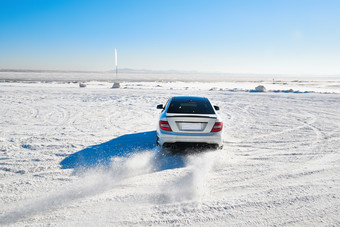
x=160, y=106
x=216, y=107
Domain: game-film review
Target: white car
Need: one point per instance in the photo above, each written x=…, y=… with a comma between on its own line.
x=189, y=120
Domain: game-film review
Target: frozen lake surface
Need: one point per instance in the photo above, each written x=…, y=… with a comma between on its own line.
x=87, y=156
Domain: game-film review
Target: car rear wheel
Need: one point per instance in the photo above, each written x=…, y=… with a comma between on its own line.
x=157, y=141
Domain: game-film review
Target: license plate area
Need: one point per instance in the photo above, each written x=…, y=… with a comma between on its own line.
x=189, y=126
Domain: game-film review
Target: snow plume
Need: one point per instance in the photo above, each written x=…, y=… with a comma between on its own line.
x=92, y=182
x=193, y=185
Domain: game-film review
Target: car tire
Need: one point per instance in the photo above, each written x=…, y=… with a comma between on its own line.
x=157, y=141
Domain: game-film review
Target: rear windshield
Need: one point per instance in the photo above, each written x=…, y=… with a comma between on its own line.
x=190, y=106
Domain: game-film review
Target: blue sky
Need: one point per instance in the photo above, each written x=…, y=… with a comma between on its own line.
x=240, y=36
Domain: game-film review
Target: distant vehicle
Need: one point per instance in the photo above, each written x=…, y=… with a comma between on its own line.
x=189, y=120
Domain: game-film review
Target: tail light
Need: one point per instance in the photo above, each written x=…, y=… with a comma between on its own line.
x=164, y=125
x=217, y=127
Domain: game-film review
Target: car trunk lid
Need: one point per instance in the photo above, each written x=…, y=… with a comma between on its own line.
x=186, y=123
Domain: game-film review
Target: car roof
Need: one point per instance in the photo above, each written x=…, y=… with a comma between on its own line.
x=189, y=98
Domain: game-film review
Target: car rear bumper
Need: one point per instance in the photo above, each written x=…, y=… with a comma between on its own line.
x=173, y=137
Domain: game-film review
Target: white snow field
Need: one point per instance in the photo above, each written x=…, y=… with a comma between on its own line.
x=72, y=156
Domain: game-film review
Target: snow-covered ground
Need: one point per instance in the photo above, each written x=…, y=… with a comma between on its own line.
x=72, y=156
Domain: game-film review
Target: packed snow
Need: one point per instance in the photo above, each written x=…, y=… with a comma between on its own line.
x=72, y=156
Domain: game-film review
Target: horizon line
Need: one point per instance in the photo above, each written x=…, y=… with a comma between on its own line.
x=169, y=71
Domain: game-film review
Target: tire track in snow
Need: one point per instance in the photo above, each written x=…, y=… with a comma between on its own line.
x=304, y=168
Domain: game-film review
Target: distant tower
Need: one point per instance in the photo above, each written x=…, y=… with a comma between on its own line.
x=116, y=84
